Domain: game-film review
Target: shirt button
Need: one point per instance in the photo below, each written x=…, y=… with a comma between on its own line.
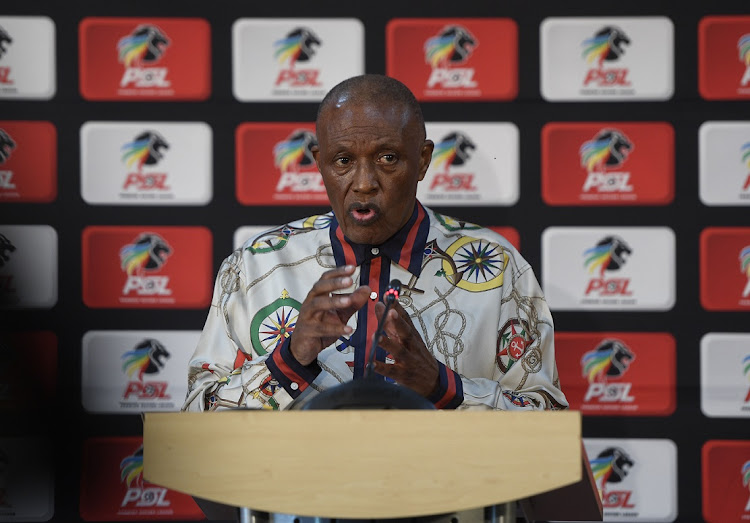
x=375, y=251
x=294, y=386
x=373, y=295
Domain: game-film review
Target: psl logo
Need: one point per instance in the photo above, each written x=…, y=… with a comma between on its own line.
x=455, y=149
x=610, y=360
x=607, y=150
x=6, y=147
x=612, y=465
x=299, y=45
x=294, y=158
x=5, y=40
x=745, y=268
x=139, y=494
x=143, y=47
x=743, y=45
x=145, y=149
x=606, y=46
x=746, y=481
x=146, y=358
x=610, y=254
x=452, y=46
x=745, y=153
x=147, y=253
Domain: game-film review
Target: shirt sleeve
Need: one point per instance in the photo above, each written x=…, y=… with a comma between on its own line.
x=224, y=370
x=529, y=382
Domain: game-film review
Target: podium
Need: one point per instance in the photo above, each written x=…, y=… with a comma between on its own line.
x=375, y=464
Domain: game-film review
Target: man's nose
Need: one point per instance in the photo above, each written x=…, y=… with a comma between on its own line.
x=365, y=180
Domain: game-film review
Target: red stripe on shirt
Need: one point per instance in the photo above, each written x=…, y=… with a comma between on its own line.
x=348, y=252
x=288, y=371
x=451, y=392
x=409, y=243
x=372, y=319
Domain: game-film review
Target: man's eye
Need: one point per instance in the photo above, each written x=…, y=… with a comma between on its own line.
x=341, y=161
x=388, y=158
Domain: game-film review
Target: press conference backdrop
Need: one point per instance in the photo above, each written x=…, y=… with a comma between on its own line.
x=141, y=143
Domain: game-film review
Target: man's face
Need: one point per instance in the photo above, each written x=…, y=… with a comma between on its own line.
x=371, y=158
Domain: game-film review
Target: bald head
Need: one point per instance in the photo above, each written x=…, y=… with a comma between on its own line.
x=373, y=89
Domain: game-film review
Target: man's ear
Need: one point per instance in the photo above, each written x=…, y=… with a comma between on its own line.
x=425, y=157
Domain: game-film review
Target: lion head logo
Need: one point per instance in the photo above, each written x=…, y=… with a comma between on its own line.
x=295, y=152
x=131, y=469
x=146, y=358
x=454, y=149
x=610, y=254
x=605, y=45
x=452, y=46
x=145, y=149
x=608, y=149
x=5, y=248
x=612, y=465
x=6, y=145
x=147, y=253
x=5, y=39
x=145, y=45
x=298, y=46
x=611, y=359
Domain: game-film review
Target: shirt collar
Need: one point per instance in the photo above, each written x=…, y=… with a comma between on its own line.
x=406, y=247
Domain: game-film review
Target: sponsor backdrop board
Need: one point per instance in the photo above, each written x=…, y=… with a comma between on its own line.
x=125, y=372
x=195, y=123
x=294, y=59
x=146, y=163
x=591, y=59
x=608, y=268
x=725, y=375
x=28, y=49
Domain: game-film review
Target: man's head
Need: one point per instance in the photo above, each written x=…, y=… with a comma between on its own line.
x=371, y=152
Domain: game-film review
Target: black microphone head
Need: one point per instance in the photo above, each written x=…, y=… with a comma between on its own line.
x=394, y=289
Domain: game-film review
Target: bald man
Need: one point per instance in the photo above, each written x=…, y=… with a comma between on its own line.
x=295, y=309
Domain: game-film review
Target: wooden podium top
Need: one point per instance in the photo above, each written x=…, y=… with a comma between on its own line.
x=363, y=463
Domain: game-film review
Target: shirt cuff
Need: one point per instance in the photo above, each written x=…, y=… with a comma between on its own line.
x=290, y=373
x=450, y=391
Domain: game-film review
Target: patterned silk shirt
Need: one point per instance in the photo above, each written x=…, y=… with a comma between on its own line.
x=472, y=297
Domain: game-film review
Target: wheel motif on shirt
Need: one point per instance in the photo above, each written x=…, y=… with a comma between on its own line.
x=479, y=264
x=270, y=241
x=274, y=323
x=319, y=221
x=512, y=341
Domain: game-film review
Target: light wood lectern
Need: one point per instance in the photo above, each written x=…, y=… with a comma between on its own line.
x=375, y=464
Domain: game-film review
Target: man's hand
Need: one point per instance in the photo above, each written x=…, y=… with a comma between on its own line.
x=323, y=315
x=414, y=367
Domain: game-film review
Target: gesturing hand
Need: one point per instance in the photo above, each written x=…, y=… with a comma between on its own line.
x=323, y=316
x=414, y=366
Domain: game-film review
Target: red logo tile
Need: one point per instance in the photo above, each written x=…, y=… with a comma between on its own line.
x=724, y=57
x=607, y=163
x=145, y=58
x=618, y=373
x=28, y=162
x=726, y=481
x=275, y=165
x=725, y=268
x=113, y=488
x=454, y=58
x=147, y=267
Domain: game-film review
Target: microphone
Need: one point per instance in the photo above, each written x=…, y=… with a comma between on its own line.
x=389, y=298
